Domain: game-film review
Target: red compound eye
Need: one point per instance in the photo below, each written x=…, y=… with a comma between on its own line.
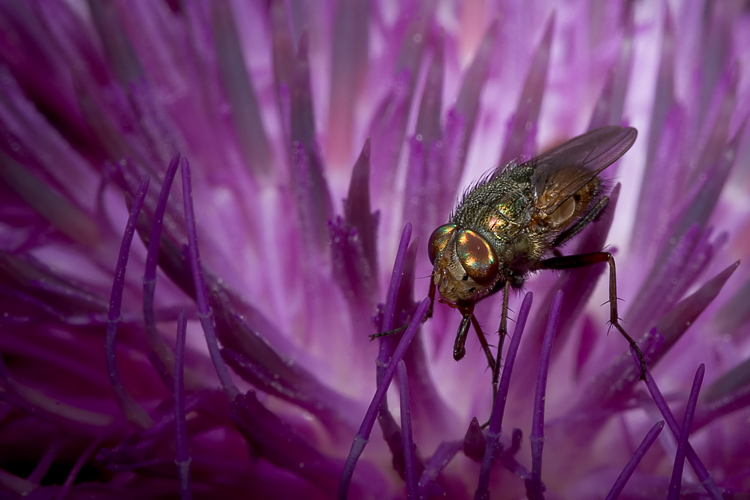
x=476, y=256
x=438, y=240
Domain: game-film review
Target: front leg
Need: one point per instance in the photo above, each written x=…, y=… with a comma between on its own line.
x=502, y=332
x=459, y=351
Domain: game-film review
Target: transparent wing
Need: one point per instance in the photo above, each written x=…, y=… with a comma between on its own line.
x=565, y=169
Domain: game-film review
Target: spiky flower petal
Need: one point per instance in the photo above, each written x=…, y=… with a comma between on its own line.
x=230, y=357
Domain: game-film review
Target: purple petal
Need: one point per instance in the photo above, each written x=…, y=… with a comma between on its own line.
x=462, y=118
x=609, y=107
x=294, y=384
x=663, y=102
x=49, y=203
x=348, y=71
x=664, y=187
x=725, y=395
x=713, y=141
x=386, y=134
x=698, y=208
x=735, y=313
x=353, y=245
x=283, y=44
x=522, y=135
x=314, y=208
x=273, y=439
x=357, y=208
x=430, y=106
x=237, y=82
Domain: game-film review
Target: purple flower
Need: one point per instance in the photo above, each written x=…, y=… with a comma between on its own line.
x=314, y=144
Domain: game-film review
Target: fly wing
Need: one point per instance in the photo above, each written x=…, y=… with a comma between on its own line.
x=567, y=168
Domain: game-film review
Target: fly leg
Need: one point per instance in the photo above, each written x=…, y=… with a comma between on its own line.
x=459, y=351
x=587, y=259
x=485, y=345
x=502, y=332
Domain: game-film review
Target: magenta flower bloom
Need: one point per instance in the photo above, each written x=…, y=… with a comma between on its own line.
x=209, y=337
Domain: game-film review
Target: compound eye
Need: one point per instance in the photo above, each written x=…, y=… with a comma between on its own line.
x=438, y=240
x=476, y=256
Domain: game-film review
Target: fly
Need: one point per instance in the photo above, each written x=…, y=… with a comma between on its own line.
x=512, y=222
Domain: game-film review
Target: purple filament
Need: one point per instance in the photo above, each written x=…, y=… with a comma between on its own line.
x=695, y=462
x=81, y=461
x=17, y=395
x=629, y=468
x=437, y=462
x=70, y=292
x=687, y=423
x=157, y=345
x=496, y=420
x=42, y=467
x=182, y=457
x=410, y=466
x=390, y=304
x=507, y=457
x=204, y=312
x=363, y=434
x=534, y=483
x=144, y=464
x=132, y=411
x=398, y=267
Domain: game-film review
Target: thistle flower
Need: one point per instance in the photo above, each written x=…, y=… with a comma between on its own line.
x=316, y=145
